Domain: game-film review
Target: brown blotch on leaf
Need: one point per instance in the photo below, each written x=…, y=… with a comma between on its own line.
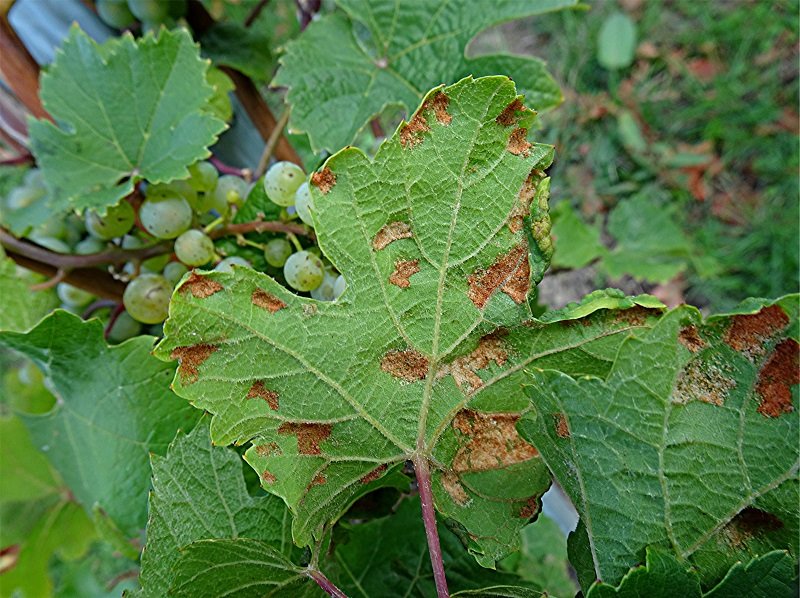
x=390, y=233
x=268, y=477
x=309, y=436
x=749, y=523
x=776, y=378
x=636, y=315
x=266, y=300
x=748, y=333
x=200, y=286
x=374, y=474
x=522, y=208
x=690, y=338
x=562, y=427
x=318, y=480
x=408, y=364
x=489, y=441
x=190, y=359
x=439, y=103
x=258, y=390
x=518, y=143
x=324, y=180
x=464, y=369
x=509, y=116
x=702, y=381
x=530, y=508
x=269, y=449
x=403, y=271
x=453, y=487
x=510, y=273
x=411, y=133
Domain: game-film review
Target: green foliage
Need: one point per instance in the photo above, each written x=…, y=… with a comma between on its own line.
x=19, y=310
x=616, y=42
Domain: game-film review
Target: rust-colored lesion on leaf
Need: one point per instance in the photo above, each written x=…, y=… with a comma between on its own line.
x=324, y=180
x=530, y=508
x=309, y=436
x=407, y=364
x=561, y=425
x=636, y=315
x=268, y=477
x=509, y=114
x=411, y=133
x=490, y=349
x=776, y=378
x=190, y=359
x=374, y=474
x=389, y=233
x=749, y=523
x=489, y=441
x=747, y=334
x=453, y=487
x=510, y=273
x=200, y=286
x=689, y=337
x=318, y=480
x=522, y=207
x=268, y=449
x=703, y=381
x=518, y=143
x=403, y=271
x=268, y=301
x=439, y=103
x=259, y=391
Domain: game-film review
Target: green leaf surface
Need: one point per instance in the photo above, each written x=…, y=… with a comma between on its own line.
x=577, y=243
x=126, y=110
x=689, y=442
x=20, y=308
x=616, y=43
x=114, y=408
x=346, y=68
x=24, y=471
x=199, y=493
x=246, y=49
x=406, y=363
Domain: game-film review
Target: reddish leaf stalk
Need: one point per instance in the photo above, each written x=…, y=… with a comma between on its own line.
x=429, y=519
x=113, y=320
x=226, y=169
x=326, y=584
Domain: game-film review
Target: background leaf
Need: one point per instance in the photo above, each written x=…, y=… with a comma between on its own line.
x=616, y=43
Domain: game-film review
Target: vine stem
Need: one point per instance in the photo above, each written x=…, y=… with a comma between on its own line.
x=272, y=142
x=227, y=169
x=326, y=584
x=423, y=474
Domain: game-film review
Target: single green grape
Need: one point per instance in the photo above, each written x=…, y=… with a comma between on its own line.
x=281, y=182
x=325, y=291
x=24, y=197
x=174, y=271
x=73, y=295
x=304, y=271
x=115, y=13
x=53, y=227
x=277, y=251
x=117, y=221
x=304, y=204
x=203, y=176
x=156, y=263
x=51, y=243
x=175, y=188
x=149, y=11
x=34, y=178
x=124, y=327
x=194, y=248
x=228, y=263
x=165, y=218
x=89, y=245
x=146, y=298
x=229, y=190
x=339, y=286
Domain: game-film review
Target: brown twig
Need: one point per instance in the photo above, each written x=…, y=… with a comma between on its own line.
x=112, y=319
x=19, y=70
x=271, y=226
x=251, y=18
x=269, y=148
x=97, y=282
x=61, y=274
x=97, y=306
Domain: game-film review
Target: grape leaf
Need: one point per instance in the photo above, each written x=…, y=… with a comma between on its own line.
x=577, y=244
x=126, y=110
x=25, y=472
x=199, y=493
x=114, y=408
x=20, y=308
x=422, y=356
x=344, y=70
x=688, y=441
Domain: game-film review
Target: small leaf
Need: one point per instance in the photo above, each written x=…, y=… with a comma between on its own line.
x=576, y=243
x=124, y=111
x=616, y=43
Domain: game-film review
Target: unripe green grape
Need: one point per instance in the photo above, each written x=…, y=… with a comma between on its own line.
x=228, y=263
x=277, y=251
x=174, y=271
x=124, y=327
x=203, y=176
x=281, y=182
x=117, y=221
x=175, y=189
x=115, y=13
x=146, y=298
x=339, y=286
x=52, y=227
x=51, y=243
x=194, y=248
x=165, y=218
x=304, y=204
x=230, y=190
x=304, y=271
x=325, y=291
x=156, y=264
x=89, y=245
x=73, y=295
x=23, y=197
x=34, y=178
x=149, y=11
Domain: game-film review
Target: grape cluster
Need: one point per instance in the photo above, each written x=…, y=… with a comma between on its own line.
x=123, y=14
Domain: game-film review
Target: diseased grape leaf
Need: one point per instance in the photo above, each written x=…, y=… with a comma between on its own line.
x=440, y=239
x=199, y=493
x=345, y=69
x=689, y=442
x=114, y=408
x=20, y=308
x=124, y=111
